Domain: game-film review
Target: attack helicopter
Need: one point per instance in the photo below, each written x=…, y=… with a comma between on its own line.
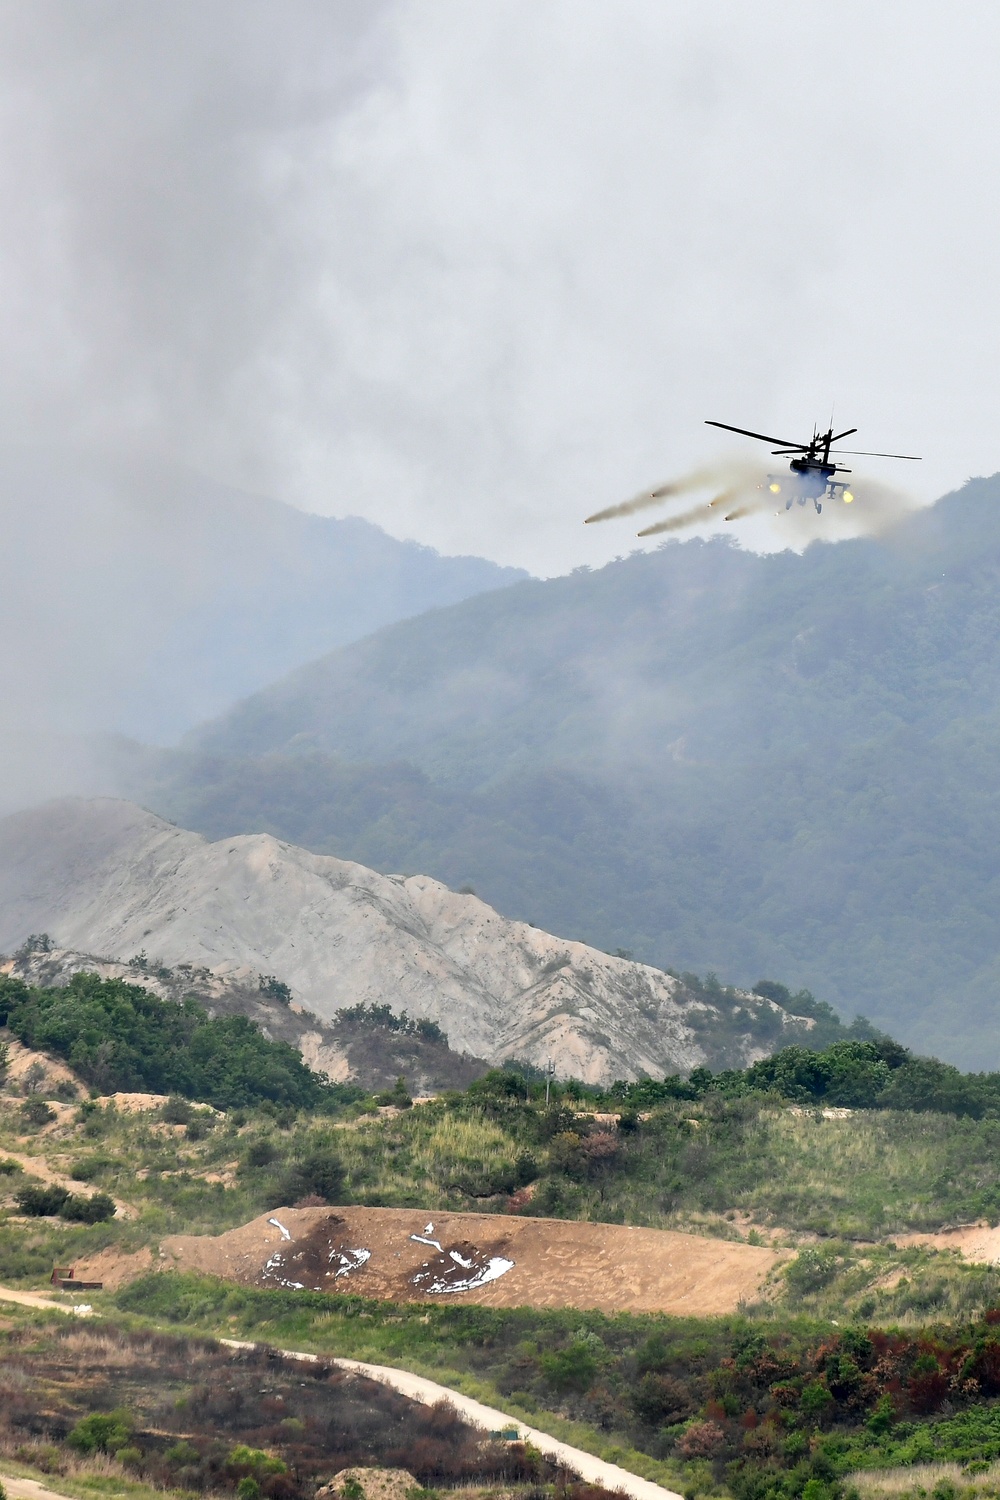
x=814, y=472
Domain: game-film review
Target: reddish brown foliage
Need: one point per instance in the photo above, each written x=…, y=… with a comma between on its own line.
x=702, y=1440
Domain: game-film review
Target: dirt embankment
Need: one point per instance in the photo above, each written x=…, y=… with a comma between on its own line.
x=407, y=1255
x=51, y=1072
x=977, y=1242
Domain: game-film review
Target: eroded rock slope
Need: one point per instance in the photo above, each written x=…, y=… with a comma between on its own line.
x=108, y=877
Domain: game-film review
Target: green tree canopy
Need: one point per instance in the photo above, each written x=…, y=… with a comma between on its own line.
x=119, y=1036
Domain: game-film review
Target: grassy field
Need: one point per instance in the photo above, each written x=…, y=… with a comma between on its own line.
x=871, y=1175
x=650, y=1393
x=840, y=1187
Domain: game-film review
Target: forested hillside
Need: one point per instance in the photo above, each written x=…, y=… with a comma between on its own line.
x=782, y=764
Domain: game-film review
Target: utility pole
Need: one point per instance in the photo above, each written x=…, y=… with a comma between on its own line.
x=550, y=1069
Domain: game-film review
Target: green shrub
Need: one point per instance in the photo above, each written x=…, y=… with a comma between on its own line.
x=84, y=1209
x=397, y=1096
x=102, y=1432
x=261, y=1153
x=39, y=1201
x=275, y=989
x=812, y=1269
x=36, y=1112
x=88, y=1168
x=318, y=1174
x=253, y=1461
x=571, y=1369
x=182, y=1454
x=42, y=1201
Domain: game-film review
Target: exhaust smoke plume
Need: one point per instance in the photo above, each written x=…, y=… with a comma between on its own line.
x=736, y=476
x=698, y=479
x=872, y=509
x=677, y=523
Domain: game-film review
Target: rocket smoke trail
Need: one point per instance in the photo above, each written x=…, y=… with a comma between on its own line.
x=675, y=523
x=726, y=472
x=687, y=517
x=693, y=481
x=751, y=506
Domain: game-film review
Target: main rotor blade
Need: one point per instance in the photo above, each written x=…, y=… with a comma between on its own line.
x=745, y=431
x=861, y=453
x=838, y=435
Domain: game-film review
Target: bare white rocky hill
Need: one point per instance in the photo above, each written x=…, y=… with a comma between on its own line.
x=108, y=877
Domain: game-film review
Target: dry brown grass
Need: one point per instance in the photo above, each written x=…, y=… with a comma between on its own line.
x=922, y=1479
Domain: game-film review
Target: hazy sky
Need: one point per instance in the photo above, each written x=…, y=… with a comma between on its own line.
x=476, y=270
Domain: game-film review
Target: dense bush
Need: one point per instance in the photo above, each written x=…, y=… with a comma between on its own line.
x=36, y=1112
x=102, y=1432
x=118, y=1036
x=38, y=1202
x=318, y=1174
x=383, y=1018
x=870, y=1073
x=88, y=1210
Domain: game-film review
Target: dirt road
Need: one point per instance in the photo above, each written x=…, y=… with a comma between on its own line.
x=489, y=1419
x=408, y=1255
x=33, y=1299
x=27, y=1489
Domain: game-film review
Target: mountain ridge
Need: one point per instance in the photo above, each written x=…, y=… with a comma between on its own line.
x=779, y=764
x=103, y=875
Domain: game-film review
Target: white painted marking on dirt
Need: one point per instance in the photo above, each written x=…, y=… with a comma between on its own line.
x=278, y=1225
x=497, y=1266
x=350, y=1260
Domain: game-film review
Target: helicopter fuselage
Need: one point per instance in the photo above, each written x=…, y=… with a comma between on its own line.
x=814, y=480
x=813, y=472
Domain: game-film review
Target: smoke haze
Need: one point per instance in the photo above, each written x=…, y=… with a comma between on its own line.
x=471, y=271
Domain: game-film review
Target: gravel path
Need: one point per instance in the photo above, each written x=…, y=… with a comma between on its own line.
x=419, y=1388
